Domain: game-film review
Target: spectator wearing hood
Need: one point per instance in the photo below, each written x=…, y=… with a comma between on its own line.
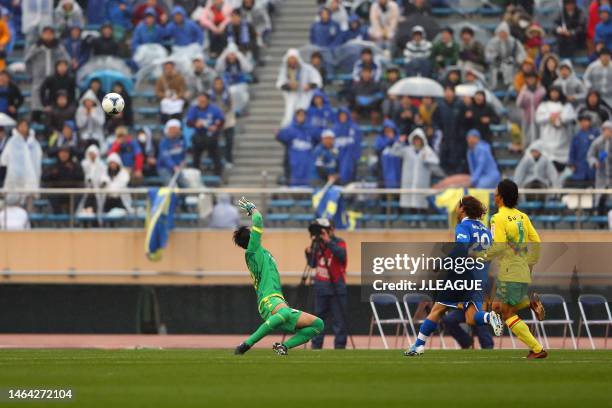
x=549, y=67
x=297, y=80
x=95, y=176
x=366, y=94
x=119, y=13
x=242, y=33
x=570, y=29
x=22, y=157
x=129, y=151
x=384, y=18
x=536, y=170
x=583, y=175
x=67, y=14
x=483, y=168
x=59, y=113
x=338, y=13
x=148, y=7
x=172, y=151
x=298, y=139
x=555, y=118
x=67, y=136
x=117, y=178
x=77, y=48
x=573, y=88
x=527, y=67
x=90, y=120
x=603, y=30
x=40, y=60
x=224, y=215
x=528, y=100
x=480, y=116
x=599, y=158
x=471, y=51
x=235, y=67
x=221, y=96
x=65, y=173
x=592, y=21
x=598, y=76
x=445, y=51
x=13, y=217
x=256, y=13
x=207, y=121
x=325, y=32
x=105, y=44
x=61, y=80
x=453, y=147
x=320, y=115
x=147, y=31
x=417, y=53
x=201, y=77
x=503, y=53
x=150, y=149
x=355, y=30
x=326, y=157
x=214, y=19
x=10, y=95
x=419, y=161
x=181, y=30
x=596, y=108
x=348, y=142
x=366, y=59
x=389, y=164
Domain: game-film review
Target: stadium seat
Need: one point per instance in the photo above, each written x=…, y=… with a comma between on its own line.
x=410, y=218
x=302, y=217
x=592, y=303
x=278, y=203
x=380, y=300
x=531, y=205
x=277, y=217
x=599, y=220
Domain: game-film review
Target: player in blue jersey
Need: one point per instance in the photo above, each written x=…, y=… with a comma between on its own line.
x=470, y=235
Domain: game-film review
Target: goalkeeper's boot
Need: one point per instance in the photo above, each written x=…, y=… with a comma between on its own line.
x=532, y=355
x=242, y=348
x=279, y=349
x=496, y=323
x=414, y=350
x=536, y=305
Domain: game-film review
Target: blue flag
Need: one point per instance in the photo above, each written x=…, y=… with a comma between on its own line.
x=160, y=221
x=329, y=203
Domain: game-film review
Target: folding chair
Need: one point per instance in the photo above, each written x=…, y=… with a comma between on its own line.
x=552, y=302
x=592, y=301
x=418, y=298
x=385, y=299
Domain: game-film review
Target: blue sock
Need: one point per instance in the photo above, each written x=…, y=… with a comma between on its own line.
x=427, y=327
x=481, y=318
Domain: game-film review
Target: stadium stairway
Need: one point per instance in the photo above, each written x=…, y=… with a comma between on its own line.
x=256, y=149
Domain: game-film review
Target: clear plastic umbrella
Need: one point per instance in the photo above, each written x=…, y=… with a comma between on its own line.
x=346, y=55
x=103, y=64
x=480, y=34
x=306, y=52
x=148, y=54
x=417, y=86
x=470, y=90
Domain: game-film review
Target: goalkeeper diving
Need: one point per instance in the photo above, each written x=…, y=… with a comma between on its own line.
x=273, y=308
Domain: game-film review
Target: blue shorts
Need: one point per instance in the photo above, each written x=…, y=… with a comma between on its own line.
x=464, y=305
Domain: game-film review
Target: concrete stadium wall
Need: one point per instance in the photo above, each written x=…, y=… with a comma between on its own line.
x=209, y=256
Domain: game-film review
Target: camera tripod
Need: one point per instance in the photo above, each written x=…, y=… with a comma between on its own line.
x=306, y=282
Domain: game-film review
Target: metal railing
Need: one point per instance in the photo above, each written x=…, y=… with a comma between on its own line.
x=379, y=201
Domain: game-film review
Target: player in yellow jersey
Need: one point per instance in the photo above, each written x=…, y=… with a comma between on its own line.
x=516, y=247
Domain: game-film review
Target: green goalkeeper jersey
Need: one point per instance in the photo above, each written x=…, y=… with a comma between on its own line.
x=262, y=267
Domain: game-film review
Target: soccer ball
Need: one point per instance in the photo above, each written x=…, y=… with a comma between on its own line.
x=113, y=103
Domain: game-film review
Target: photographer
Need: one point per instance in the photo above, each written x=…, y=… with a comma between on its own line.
x=327, y=255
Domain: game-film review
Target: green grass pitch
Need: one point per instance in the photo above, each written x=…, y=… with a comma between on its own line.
x=304, y=378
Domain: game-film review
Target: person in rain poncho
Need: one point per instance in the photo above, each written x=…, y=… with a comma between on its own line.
x=573, y=88
x=599, y=157
x=326, y=157
x=297, y=80
x=596, y=108
x=483, y=168
x=147, y=31
x=224, y=215
x=598, y=76
x=348, y=142
x=320, y=114
x=555, y=118
x=583, y=175
x=536, y=170
x=90, y=120
x=325, y=32
x=34, y=15
x=299, y=139
x=355, y=30
x=116, y=178
x=418, y=162
x=40, y=60
x=22, y=157
x=503, y=53
x=235, y=68
x=95, y=176
x=390, y=165
x=384, y=18
x=68, y=13
x=182, y=31
x=528, y=100
x=12, y=216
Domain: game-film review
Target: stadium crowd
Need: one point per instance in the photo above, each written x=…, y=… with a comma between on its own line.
x=198, y=54
x=519, y=81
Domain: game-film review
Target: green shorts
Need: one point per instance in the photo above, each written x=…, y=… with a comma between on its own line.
x=270, y=304
x=512, y=293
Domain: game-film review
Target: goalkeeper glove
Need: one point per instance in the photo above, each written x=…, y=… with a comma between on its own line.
x=246, y=206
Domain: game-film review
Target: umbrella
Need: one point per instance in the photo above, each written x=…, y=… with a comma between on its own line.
x=470, y=90
x=417, y=86
x=463, y=70
x=307, y=50
x=103, y=63
x=108, y=78
x=6, y=120
x=348, y=54
x=481, y=35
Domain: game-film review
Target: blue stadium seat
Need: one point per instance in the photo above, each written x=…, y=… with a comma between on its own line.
x=303, y=203
x=411, y=217
x=572, y=219
x=599, y=219
x=187, y=217
x=58, y=217
x=37, y=217
x=554, y=205
x=530, y=205
x=211, y=180
x=281, y=203
x=547, y=219
x=277, y=217
x=437, y=218
x=507, y=163
x=147, y=110
x=383, y=218
x=302, y=217
x=499, y=128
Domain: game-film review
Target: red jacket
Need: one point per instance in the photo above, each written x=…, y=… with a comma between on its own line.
x=331, y=261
